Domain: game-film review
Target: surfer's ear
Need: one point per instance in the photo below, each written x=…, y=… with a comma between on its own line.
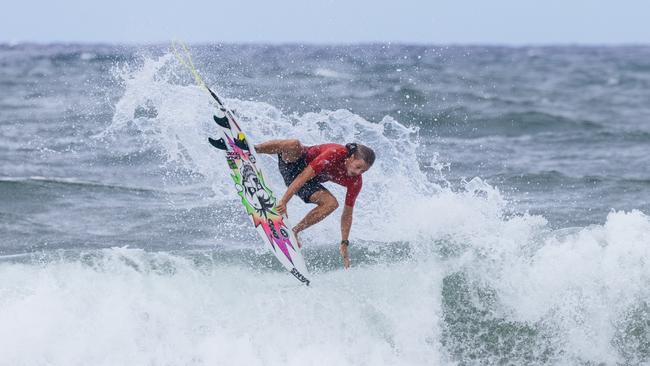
x=362, y=152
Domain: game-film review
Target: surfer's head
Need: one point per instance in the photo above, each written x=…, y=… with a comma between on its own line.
x=360, y=159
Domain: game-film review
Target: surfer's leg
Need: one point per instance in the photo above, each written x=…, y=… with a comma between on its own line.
x=326, y=204
x=289, y=150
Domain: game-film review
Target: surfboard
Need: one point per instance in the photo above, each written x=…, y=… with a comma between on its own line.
x=256, y=196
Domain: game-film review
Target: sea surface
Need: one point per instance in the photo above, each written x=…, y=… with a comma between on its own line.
x=505, y=220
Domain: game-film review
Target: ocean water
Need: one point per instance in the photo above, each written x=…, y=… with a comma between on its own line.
x=504, y=222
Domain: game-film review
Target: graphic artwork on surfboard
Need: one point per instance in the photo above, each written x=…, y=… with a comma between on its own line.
x=256, y=197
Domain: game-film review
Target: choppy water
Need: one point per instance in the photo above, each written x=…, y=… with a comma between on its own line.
x=505, y=220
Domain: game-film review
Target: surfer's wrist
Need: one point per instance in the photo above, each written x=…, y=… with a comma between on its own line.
x=345, y=242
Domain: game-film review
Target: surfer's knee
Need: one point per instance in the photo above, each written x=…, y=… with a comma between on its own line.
x=329, y=203
x=291, y=150
x=325, y=200
x=293, y=146
x=334, y=205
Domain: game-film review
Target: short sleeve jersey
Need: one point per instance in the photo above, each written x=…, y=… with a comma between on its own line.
x=328, y=162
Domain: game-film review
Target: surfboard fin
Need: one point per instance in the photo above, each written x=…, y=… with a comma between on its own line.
x=240, y=141
x=242, y=144
x=219, y=144
x=222, y=121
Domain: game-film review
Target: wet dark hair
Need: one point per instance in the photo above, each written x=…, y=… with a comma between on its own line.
x=361, y=152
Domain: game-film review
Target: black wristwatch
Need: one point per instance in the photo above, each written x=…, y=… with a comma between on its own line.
x=346, y=242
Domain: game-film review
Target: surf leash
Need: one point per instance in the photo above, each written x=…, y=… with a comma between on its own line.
x=186, y=60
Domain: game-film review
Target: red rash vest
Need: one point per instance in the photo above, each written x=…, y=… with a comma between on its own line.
x=328, y=162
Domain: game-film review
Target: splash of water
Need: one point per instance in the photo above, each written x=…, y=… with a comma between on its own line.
x=486, y=284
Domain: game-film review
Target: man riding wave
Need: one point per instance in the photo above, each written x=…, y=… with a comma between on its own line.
x=304, y=168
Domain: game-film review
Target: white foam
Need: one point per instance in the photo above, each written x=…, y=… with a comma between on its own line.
x=130, y=308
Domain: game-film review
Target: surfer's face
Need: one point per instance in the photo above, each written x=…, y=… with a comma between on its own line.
x=356, y=166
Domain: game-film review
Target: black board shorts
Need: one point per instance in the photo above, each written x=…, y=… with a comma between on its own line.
x=290, y=171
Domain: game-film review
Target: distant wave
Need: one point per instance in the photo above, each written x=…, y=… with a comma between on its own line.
x=328, y=73
x=461, y=122
x=556, y=177
x=62, y=181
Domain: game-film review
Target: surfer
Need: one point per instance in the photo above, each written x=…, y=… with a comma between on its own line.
x=304, y=168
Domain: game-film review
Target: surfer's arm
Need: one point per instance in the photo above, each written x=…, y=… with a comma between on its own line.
x=302, y=178
x=346, y=222
x=348, y=208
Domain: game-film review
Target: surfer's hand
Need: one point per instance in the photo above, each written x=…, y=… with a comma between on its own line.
x=344, y=255
x=281, y=207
